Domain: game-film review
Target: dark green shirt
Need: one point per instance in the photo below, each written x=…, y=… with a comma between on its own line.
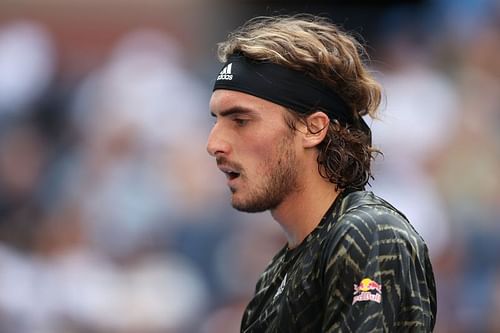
x=363, y=269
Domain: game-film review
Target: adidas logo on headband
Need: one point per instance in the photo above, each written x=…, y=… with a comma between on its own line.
x=225, y=73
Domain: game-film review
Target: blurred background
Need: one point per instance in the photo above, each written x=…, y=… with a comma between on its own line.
x=114, y=219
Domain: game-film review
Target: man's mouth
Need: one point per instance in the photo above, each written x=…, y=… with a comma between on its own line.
x=230, y=173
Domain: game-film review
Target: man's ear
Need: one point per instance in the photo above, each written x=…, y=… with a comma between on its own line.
x=317, y=127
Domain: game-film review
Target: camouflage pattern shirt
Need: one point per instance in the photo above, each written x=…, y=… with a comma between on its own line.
x=362, y=269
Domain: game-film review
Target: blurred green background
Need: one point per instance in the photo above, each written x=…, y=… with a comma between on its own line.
x=114, y=219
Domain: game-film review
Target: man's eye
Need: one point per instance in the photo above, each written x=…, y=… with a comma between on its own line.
x=241, y=122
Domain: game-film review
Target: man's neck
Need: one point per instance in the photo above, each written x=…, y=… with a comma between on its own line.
x=301, y=212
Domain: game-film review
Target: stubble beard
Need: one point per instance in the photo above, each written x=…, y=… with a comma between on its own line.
x=276, y=185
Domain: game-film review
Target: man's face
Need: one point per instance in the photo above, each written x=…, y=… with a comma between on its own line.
x=255, y=148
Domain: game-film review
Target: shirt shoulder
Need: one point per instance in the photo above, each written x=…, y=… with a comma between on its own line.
x=366, y=225
x=368, y=216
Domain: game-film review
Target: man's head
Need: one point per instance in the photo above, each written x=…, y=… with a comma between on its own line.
x=312, y=75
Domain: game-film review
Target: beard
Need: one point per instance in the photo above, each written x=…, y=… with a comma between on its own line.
x=279, y=181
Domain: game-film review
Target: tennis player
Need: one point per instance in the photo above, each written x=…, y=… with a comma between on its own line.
x=290, y=137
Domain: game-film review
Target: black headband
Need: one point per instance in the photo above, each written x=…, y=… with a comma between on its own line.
x=289, y=88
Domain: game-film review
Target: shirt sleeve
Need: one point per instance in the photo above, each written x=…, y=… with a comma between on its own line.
x=377, y=276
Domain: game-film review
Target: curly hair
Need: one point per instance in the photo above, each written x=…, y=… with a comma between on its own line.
x=318, y=47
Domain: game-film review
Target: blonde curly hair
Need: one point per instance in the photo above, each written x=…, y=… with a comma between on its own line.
x=316, y=46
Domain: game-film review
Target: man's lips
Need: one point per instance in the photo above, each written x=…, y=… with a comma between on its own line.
x=230, y=172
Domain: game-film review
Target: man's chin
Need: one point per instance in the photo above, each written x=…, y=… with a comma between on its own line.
x=255, y=206
x=248, y=207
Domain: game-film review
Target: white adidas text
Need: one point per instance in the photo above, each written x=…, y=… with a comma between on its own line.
x=225, y=73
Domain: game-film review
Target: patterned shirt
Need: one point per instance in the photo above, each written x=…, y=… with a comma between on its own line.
x=362, y=269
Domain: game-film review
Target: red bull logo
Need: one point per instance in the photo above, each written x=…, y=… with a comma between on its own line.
x=367, y=290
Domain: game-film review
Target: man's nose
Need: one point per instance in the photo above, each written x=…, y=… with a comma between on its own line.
x=217, y=144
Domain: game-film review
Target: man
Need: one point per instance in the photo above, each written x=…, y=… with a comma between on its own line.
x=290, y=137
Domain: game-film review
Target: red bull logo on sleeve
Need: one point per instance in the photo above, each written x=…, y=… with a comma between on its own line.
x=367, y=290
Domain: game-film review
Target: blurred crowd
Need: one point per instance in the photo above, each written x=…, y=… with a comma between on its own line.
x=113, y=218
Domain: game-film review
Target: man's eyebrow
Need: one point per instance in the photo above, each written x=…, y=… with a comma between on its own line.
x=236, y=110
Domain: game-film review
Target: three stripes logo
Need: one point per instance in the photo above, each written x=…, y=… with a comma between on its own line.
x=225, y=73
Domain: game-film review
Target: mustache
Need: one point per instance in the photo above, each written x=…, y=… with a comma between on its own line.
x=224, y=161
